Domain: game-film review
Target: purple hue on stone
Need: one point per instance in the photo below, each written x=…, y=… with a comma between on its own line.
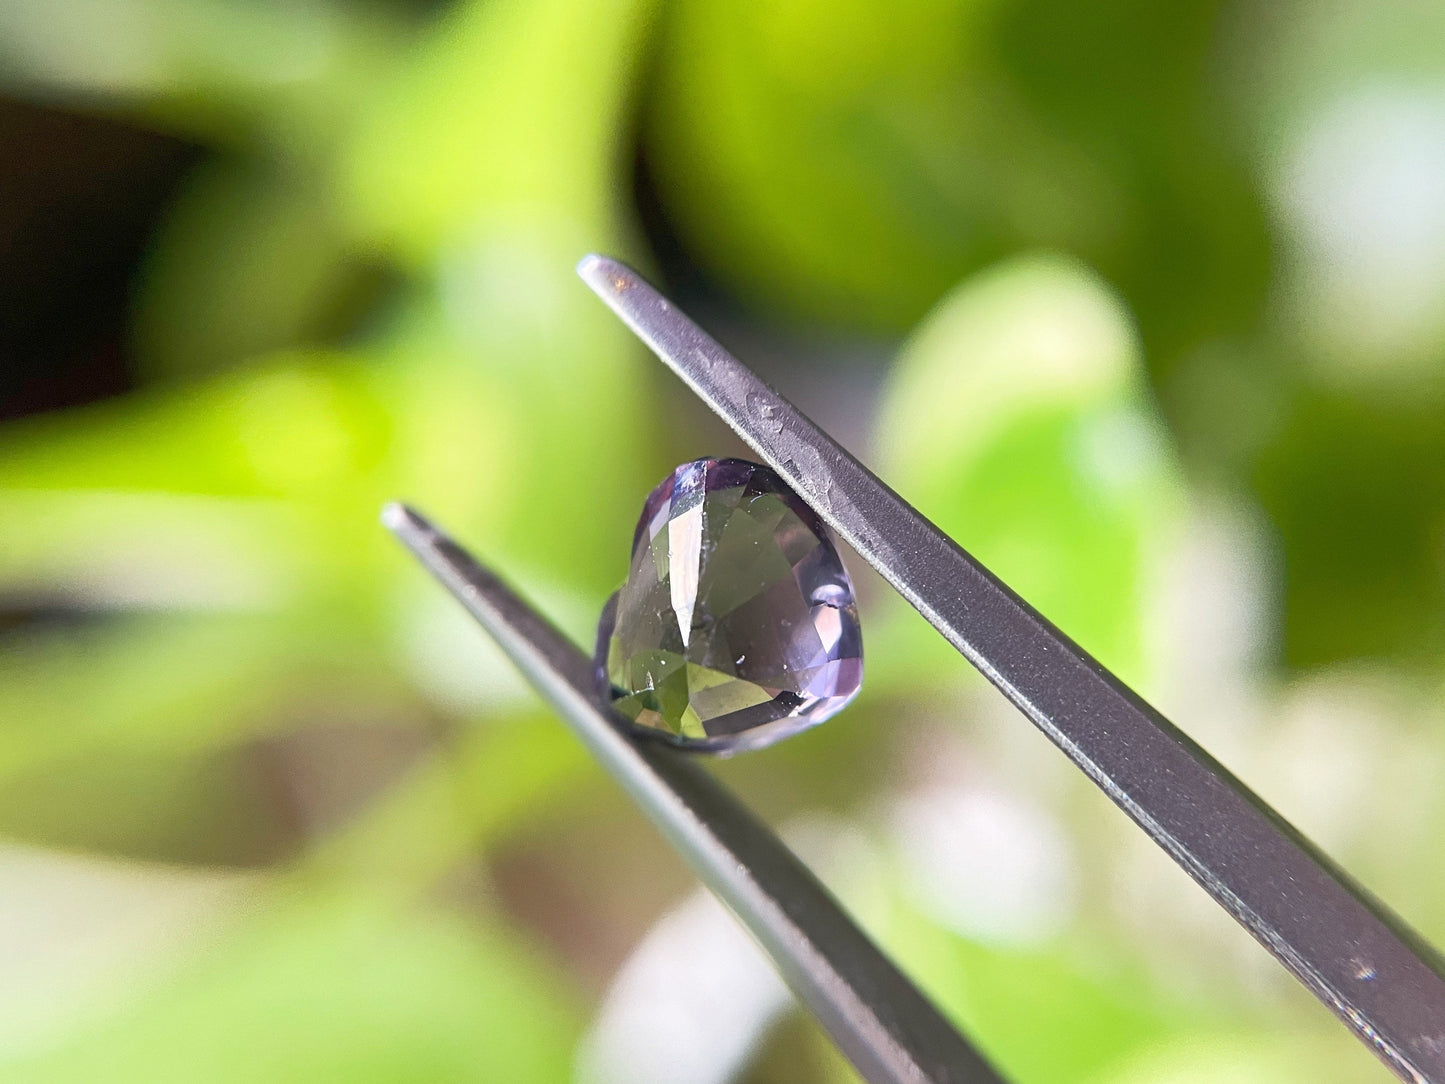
x=736, y=626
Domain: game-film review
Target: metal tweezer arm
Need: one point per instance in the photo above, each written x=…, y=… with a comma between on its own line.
x=1362, y=962
x=890, y=1032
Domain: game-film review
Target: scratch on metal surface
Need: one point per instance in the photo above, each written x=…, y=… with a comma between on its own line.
x=766, y=411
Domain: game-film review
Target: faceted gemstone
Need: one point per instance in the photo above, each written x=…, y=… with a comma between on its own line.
x=736, y=626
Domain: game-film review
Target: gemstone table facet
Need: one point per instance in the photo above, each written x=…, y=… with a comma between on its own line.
x=736, y=626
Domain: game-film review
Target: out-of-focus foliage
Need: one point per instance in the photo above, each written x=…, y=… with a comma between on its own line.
x=868, y=155
x=1017, y=417
x=311, y=992
x=1147, y=308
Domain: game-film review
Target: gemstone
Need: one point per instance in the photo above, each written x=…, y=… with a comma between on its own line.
x=736, y=626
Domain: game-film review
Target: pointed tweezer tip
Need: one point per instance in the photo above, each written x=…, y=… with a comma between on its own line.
x=606, y=276
x=408, y=525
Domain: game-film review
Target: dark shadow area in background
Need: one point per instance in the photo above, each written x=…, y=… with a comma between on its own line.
x=79, y=199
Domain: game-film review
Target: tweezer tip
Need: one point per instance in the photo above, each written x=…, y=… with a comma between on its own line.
x=406, y=523
x=606, y=276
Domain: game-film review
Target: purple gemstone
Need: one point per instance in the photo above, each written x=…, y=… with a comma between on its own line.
x=736, y=626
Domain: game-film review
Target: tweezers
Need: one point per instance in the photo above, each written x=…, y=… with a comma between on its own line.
x=1379, y=977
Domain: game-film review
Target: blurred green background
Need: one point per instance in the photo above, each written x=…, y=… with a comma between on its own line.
x=1144, y=303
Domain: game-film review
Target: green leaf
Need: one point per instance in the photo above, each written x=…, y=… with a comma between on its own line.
x=234, y=73
x=484, y=784
x=846, y=162
x=823, y=158
x=213, y=808
x=1353, y=487
x=1041, y=1017
x=294, y=426
x=168, y=685
x=249, y=261
x=336, y=987
x=1017, y=421
x=506, y=118
x=1329, y=1055
x=488, y=164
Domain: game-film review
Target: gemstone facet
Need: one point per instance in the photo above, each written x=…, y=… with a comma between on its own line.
x=736, y=626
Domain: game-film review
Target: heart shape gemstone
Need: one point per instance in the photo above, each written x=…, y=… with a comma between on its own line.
x=737, y=625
